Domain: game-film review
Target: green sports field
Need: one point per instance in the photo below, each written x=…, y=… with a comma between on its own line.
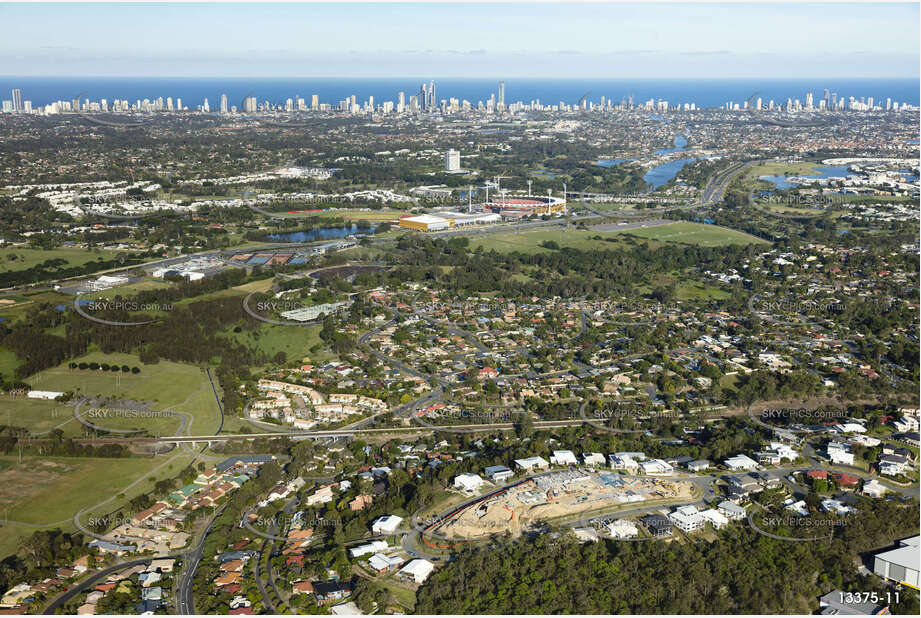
x=47, y=491
x=696, y=234
x=166, y=385
x=530, y=241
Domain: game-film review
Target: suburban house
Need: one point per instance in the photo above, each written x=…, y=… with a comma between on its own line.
x=741, y=462
x=387, y=524
x=687, y=518
x=368, y=548
x=417, y=571
x=840, y=453
x=622, y=529
x=497, y=474
x=564, y=458
x=731, y=510
x=656, y=467
x=468, y=482
x=658, y=525
x=529, y=463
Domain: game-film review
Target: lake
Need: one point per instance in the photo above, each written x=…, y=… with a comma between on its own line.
x=661, y=174
x=680, y=144
x=321, y=233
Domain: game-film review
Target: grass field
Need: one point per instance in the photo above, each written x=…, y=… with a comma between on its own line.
x=779, y=168
x=132, y=288
x=47, y=491
x=39, y=416
x=695, y=291
x=21, y=258
x=294, y=341
x=695, y=234
x=529, y=241
x=370, y=215
x=167, y=385
x=23, y=302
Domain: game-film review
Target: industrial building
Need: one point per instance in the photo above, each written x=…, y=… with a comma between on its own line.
x=900, y=565
x=444, y=220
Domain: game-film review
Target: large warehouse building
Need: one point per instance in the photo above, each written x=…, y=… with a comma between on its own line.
x=444, y=220
x=900, y=565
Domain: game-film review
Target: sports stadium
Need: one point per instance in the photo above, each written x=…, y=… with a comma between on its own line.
x=511, y=207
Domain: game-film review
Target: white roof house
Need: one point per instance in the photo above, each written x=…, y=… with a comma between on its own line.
x=784, y=450
x=874, y=489
x=850, y=428
x=586, y=534
x=418, y=570
x=830, y=505
x=656, y=467
x=380, y=562
x=622, y=529
x=731, y=509
x=593, y=459
x=797, y=506
x=687, y=518
x=741, y=462
x=714, y=518
x=468, y=482
x=368, y=548
x=564, y=458
x=387, y=524
x=840, y=453
x=531, y=462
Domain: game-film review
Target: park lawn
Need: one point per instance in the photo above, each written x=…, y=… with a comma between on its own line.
x=370, y=215
x=806, y=212
x=529, y=241
x=132, y=288
x=294, y=341
x=39, y=416
x=692, y=290
x=21, y=258
x=779, y=168
x=239, y=291
x=695, y=234
x=48, y=490
x=167, y=385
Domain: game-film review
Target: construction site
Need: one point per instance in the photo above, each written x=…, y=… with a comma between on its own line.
x=534, y=501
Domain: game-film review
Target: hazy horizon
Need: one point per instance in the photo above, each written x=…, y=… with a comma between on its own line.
x=660, y=41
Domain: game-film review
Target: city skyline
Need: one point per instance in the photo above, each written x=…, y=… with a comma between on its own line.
x=427, y=101
x=402, y=40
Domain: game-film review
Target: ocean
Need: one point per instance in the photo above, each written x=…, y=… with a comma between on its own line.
x=702, y=92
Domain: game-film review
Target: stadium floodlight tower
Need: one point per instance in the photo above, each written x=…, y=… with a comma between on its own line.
x=549, y=199
x=470, y=199
x=529, y=188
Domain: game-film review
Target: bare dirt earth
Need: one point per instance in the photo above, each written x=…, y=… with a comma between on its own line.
x=561, y=494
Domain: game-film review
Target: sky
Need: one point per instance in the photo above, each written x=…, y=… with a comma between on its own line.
x=620, y=40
